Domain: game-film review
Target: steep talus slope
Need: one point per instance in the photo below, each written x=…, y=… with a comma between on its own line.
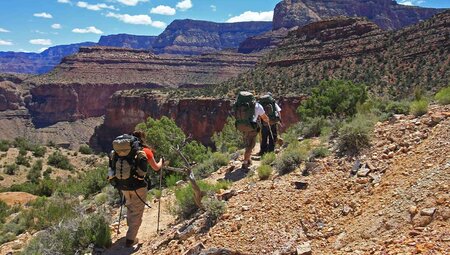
x=385, y=13
x=193, y=37
x=289, y=14
x=82, y=84
x=399, y=206
x=355, y=49
x=200, y=117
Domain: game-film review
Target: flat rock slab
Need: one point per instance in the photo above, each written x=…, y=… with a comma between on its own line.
x=12, y=198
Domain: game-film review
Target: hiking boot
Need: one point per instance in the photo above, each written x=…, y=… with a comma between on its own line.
x=246, y=164
x=131, y=243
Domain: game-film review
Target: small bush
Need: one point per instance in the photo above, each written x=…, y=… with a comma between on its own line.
x=85, y=149
x=313, y=127
x=3, y=211
x=157, y=193
x=214, y=208
x=47, y=172
x=39, y=151
x=7, y=237
x=89, y=183
x=264, y=172
x=22, y=143
x=2, y=178
x=35, y=172
x=355, y=135
x=11, y=169
x=57, y=159
x=290, y=159
x=211, y=165
x=4, y=145
x=101, y=199
x=443, y=96
x=229, y=139
x=72, y=237
x=184, y=205
x=320, y=152
x=268, y=158
x=172, y=180
x=419, y=108
x=23, y=160
x=394, y=107
x=45, y=187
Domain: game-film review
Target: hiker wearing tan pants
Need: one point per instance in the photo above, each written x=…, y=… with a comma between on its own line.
x=135, y=210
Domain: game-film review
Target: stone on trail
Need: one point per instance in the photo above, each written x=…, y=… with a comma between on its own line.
x=304, y=249
x=428, y=211
x=195, y=250
x=300, y=185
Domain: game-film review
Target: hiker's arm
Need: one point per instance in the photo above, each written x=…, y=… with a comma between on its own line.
x=154, y=165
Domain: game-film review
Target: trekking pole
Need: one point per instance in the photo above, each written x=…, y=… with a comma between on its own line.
x=159, y=200
x=120, y=214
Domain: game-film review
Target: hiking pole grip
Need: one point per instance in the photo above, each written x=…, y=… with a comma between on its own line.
x=160, y=189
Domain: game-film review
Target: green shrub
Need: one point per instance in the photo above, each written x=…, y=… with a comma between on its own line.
x=264, y=172
x=211, y=165
x=22, y=160
x=89, y=183
x=157, y=193
x=101, y=199
x=313, y=127
x=7, y=237
x=355, y=135
x=333, y=98
x=45, y=187
x=185, y=206
x=268, y=158
x=4, y=145
x=2, y=178
x=39, y=151
x=57, y=159
x=47, y=172
x=229, y=139
x=394, y=107
x=85, y=149
x=172, y=180
x=214, y=208
x=35, y=172
x=419, y=108
x=11, y=169
x=22, y=143
x=443, y=96
x=320, y=152
x=72, y=237
x=4, y=208
x=164, y=134
x=290, y=159
x=222, y=184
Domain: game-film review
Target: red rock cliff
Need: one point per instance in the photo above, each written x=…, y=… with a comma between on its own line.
x=200, y=117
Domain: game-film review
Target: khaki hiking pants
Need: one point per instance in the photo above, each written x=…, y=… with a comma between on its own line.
x=135, y=210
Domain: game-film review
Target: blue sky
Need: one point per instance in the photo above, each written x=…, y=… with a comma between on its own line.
x=34, y=25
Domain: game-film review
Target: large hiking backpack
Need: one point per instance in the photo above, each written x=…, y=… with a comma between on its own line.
x=268, y=103
x=244, y=111
x=124, y=170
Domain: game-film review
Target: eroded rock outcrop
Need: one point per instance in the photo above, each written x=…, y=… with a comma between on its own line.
x=200, y=117
x=385, y=13
x=81, y=85
x=127, y=41
x=193, y=37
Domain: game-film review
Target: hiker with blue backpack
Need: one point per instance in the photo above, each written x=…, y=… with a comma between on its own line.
x=128, y=166
x=247, y=111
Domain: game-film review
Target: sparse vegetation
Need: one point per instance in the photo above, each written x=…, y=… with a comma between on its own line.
x=22, y=159
x=11, y=169
x=4, y=145
x=229, y=139
x=443, y=96
x=57, y=159
x=85, y=149
x=211, y=165
x=320, y=152
x=39, y=151
x=291, y=158
x=268, y=158
x=264, y=172
x=355, y=135
x=419, y=107
x=214, y=208
x=35, y=172
x=172, y=180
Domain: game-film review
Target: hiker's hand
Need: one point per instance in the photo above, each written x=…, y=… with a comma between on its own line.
x=166, y=162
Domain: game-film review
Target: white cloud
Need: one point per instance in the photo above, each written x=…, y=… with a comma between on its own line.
x=64, y=1
x=56, y=26
x=213, y=8
x=184, y=5
x=5, y=43
x=131, y=2
x=44, y=42
x=136, y=19
x=163, y=10
x=43, y=15
x=252, y=16
x=95, y=7
x=91, y=30
x=2, y=30
x=411, y=2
